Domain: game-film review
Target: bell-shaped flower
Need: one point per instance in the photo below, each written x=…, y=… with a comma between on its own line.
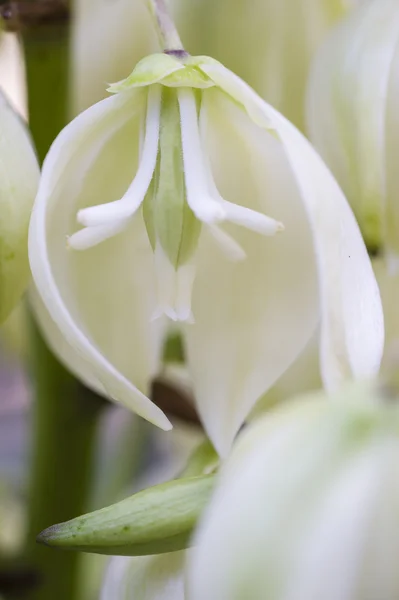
x=199, y=202
x=353, y=120
x=277, y=41
x=307, y=505
x=19, y=179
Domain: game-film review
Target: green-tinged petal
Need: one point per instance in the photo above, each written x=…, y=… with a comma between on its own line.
x=145, y=578
x=101, y=299
x=252, y=317
x=346, y=111
x=154, y=521
x=306, y=506
x=19, y=178
x=352, y=329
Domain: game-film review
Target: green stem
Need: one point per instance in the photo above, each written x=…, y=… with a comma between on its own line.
x=167, y=32
x=65, y=413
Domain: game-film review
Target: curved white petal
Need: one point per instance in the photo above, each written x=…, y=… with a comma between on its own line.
x=100, y=299
x=59, y=346
x=252, y=317
x=145, y=578
x=352, y=330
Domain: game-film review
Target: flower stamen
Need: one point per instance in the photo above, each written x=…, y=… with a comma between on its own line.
x=128, y=205
x=203, y=196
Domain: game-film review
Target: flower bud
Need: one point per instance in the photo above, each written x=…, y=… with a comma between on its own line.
x=19, y=177
x=156, y=520
x=307, y=505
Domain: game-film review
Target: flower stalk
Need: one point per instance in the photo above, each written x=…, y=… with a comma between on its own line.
x=167, y=32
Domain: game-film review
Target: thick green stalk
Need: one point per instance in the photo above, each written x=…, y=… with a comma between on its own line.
x=65, y=413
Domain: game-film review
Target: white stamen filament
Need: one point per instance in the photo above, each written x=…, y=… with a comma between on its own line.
x=91, y=236
x=134, y=196
x=204, y=207
x=202, y=194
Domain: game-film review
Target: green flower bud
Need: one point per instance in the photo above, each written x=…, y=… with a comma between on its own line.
x=19, y=177
x=156, y=520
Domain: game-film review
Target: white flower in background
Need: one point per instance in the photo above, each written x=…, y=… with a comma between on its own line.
x=270, y=43
x=182, y=183
x=307, y=505
x=108, y=36
x=353, y=120
x=158, y=577
x=19, y=179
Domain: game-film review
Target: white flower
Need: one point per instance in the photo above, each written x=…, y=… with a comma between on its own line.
x=306, y=506
x=277, y=40
x=206, y=173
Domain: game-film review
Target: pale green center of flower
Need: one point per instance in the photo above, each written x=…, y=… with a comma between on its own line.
x=175, y=187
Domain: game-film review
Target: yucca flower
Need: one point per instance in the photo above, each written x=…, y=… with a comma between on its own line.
x=199, y=203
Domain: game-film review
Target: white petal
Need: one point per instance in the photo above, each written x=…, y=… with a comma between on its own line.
x=329, y=561
x=100, y=299
x=145, y=578
x=352, y=330
x=60, y=347
x=252, y=318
